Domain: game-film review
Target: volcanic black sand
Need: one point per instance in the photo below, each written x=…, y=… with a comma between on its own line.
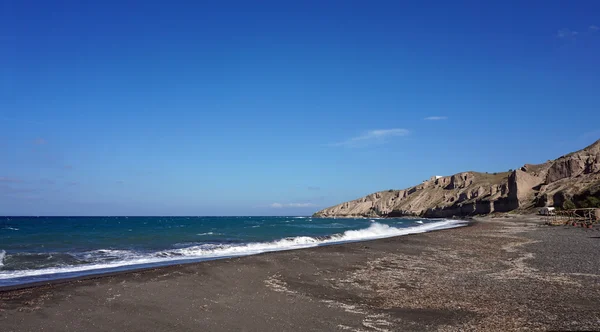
x=498, y=274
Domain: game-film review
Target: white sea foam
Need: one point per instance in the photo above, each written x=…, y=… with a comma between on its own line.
x=112, y=252
x=207, y=233
x=307, y=225
x=213, y=251
x=108, y=254
x=419, y=221
x=11, y=228
x=2, y=254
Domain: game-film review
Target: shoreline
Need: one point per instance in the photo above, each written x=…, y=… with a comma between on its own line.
x=75, y=275
x=496, y=274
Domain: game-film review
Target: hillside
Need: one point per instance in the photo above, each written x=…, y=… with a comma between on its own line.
x=573, y=177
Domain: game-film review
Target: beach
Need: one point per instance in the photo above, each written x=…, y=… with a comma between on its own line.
x=510, y=273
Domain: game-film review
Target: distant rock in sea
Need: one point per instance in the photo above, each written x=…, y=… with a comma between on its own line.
x=569, y=181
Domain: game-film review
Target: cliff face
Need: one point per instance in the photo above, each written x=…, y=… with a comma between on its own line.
x=472, y=193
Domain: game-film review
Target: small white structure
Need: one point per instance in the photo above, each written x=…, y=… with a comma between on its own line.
x=547, y=211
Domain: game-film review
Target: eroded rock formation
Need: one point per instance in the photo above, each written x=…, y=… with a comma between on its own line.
x=472, y=193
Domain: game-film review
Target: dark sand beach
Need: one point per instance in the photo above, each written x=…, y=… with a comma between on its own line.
x=497, y=274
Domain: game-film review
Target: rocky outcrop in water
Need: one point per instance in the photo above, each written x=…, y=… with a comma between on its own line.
x=471, y=193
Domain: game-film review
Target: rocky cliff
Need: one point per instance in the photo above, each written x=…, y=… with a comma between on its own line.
x=470, y=193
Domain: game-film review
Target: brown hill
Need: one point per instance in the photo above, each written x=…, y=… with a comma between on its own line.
x=573, y=177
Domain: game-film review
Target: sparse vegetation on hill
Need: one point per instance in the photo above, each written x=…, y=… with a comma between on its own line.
x=587, y=200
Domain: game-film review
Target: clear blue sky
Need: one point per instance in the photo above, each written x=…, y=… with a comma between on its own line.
x=282, y=107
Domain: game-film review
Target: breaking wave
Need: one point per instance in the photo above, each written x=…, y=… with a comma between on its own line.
x=106, y=260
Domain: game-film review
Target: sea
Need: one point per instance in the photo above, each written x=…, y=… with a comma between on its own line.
x=37, y=249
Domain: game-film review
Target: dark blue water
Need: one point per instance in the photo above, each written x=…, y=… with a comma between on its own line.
x=44, y=248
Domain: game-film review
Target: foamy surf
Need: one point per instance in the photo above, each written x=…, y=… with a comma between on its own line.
x=2, y=254
x=111, y=260
x=208, y=233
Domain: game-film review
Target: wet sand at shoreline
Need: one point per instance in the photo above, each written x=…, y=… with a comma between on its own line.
x=498, y=274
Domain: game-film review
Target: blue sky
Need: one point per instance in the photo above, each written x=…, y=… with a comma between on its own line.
x=281, y=108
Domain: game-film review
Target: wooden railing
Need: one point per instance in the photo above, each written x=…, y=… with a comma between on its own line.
x=575, y=217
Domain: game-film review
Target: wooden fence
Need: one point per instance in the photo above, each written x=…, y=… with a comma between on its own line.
x=575, y=217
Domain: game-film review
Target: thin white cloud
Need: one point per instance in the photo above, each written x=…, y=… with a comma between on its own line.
x=594, y=28
x=595, y=134
x=39, y=141
x=372, y=136
x=47, y=181
x=566, y=33
x=4, y=179
x=435, y=118
x=291, y=205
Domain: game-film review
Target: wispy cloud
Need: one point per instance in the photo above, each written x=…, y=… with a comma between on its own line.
x=594, y=28
x=566, y=33
x=594, y=134
x=372, y=136
x=8, y=190
x=4, y=179
x=314, y=188
x=291, y=205
x=435, y=118
x=47, y=181
x=40, y=141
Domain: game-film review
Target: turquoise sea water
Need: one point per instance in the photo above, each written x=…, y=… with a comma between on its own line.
x=45, y=248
